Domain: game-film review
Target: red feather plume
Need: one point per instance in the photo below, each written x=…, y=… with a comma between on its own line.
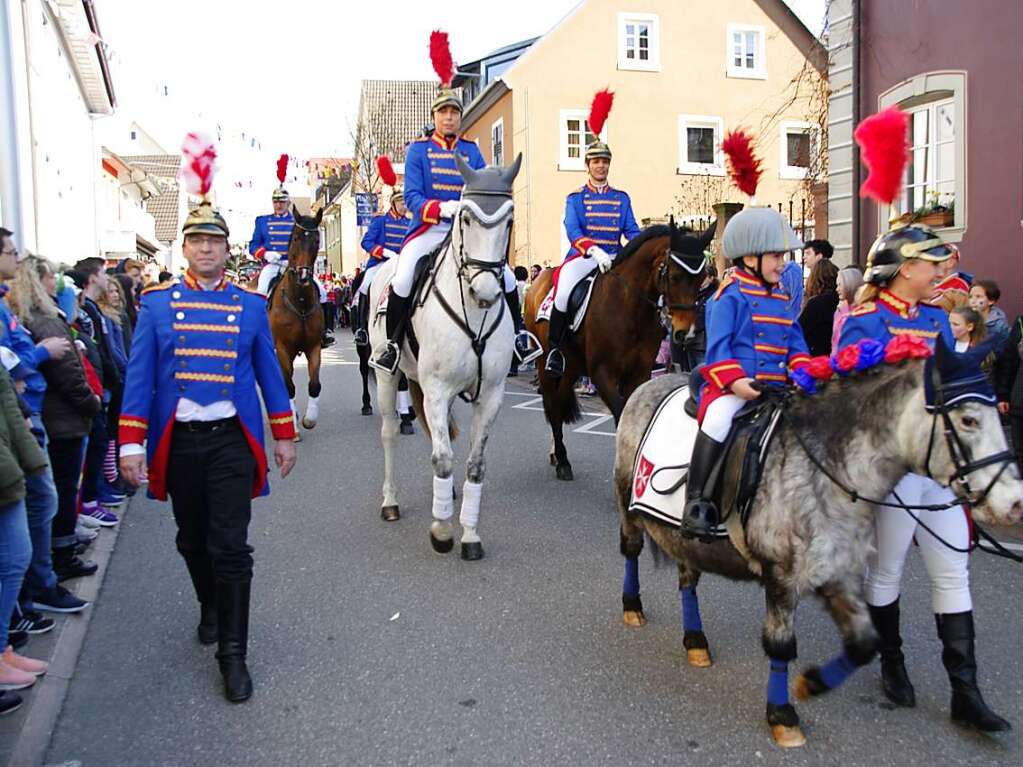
x=440, y=57
x=200, y=165
x=884, y=149
x=282, y=168
x=744, y=167
x=600, y=108
x=386, y=170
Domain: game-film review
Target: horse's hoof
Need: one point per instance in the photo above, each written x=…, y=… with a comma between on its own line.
x=472, y=551
x=699, y=658
x=809, y=684
x=634, y=618
x=390, y=514
x=441, y=546
x=564, y=471
x=307, y=424
x=367, y=410
x=788, y=737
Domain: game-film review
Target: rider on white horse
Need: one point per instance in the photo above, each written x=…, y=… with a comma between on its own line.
x=383, y=240
x=433, y=187
x=596, y=219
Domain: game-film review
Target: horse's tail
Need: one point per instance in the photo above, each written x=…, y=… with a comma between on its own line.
x=417, y=402
x=564, y=403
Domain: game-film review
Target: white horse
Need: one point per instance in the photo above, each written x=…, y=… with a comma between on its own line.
x=466, y=339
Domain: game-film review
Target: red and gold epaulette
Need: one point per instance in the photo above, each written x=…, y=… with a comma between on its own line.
x=728, y=280
x=158, y=286
x=868, y=307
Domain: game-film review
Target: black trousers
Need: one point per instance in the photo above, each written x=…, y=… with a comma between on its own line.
x=66, y=462
x=209, y=480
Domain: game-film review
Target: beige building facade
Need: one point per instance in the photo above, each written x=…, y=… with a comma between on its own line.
x=683, y=73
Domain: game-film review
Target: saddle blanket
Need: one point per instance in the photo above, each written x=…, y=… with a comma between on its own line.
x=543, y=313
x=662, y=462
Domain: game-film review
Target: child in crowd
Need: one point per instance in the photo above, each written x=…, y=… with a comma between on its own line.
x=984, y=297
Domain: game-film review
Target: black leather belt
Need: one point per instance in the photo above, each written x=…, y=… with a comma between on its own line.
x=206, y=426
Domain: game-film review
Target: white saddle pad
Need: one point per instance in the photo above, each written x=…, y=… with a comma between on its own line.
x=658, y=478
x=543, y=313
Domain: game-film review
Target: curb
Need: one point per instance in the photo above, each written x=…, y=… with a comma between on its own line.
x=47, y=701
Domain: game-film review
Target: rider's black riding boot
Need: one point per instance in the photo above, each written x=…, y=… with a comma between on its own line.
x=555, y=366
x=362, y=321
x=968, y=706
x=521, y=344
x=233, y=638
x=700, y=518
x=387, y=360
x=894, y=679
x=201, y=572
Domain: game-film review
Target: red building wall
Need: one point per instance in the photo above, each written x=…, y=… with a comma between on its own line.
x=899, y=40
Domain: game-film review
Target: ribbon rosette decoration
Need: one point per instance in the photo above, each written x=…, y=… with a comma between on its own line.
x=864, y=355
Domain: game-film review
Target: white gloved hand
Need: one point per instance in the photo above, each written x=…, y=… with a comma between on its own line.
x=603, y=260
x=449, y=208
x=272, y=257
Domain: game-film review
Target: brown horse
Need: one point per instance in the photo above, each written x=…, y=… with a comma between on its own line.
x=296, y=319
x=661, y=269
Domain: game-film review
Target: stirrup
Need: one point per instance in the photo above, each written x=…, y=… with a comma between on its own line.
x=555, y=366
x=387, y=360
x=361, y=337
x=527, y=347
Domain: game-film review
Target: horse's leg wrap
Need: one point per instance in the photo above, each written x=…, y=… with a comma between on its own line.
x=691, y=620
x=312, y=408
x=404, y=401
x=469, y=516
x=778, y=683
x=630, y=584
x=443, y=508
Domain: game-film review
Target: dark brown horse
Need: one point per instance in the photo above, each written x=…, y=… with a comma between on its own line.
x=662, y=268
x=296, y=318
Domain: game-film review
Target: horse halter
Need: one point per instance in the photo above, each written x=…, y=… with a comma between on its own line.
x=304, y=273
x=962, y=456
x=471, y=268
x=664, y=284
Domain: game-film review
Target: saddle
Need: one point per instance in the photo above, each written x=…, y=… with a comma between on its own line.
x=660, y=472
x=578, y=303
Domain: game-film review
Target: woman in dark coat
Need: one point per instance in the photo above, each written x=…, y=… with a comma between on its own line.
x=819, y=310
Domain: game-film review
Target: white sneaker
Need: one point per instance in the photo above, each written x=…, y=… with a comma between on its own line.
x=86, y=533
x=87, y=522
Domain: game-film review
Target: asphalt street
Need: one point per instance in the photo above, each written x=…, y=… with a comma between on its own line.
x=369, y=649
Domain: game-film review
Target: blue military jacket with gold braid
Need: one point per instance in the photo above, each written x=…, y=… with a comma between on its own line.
x=385, y=232
x=752, y=333
x=431, y=177
x=598, y=217
x=890, y=316
x=272, y=233
x=206, y=346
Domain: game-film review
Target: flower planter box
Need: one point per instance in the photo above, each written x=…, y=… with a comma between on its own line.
x=937, y=219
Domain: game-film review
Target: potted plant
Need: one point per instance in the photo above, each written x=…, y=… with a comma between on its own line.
x=938, y=211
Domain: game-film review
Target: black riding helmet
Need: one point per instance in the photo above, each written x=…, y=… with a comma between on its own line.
x=892, y=249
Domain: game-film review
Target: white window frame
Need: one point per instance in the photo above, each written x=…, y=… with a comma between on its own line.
x=759, y=71
x=717, y=168
x=564, y=161
x=494, y=126
x=794, y=172
x=930, y=149
x=926, y=88
x=653, y=62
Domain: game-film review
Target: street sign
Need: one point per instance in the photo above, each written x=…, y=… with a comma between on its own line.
x=365, y=207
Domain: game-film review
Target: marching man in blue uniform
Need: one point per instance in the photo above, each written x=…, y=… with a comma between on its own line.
x=433, y=187
x=597, y=217
x=383, y=240
x=201, y=348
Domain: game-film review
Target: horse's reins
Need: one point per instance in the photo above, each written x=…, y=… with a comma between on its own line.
x=469, y=269
x=301, y=272
x=963, y=465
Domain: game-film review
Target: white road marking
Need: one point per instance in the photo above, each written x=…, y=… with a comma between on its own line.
x=329, y=357
x=535, y=402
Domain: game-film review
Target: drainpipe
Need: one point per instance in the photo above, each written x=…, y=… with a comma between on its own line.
x=857, y=256
x=10, y=178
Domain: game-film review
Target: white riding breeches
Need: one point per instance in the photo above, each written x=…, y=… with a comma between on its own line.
x=415, y=249
x=367, y=279
x=717, y=420
x=571, y=274
x=895, y=530
x=266, y=276
x=270, y=271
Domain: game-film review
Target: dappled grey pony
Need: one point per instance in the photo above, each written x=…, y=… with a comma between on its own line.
x=805, y=535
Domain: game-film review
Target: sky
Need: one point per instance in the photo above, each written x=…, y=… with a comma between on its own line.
x=289, y=71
